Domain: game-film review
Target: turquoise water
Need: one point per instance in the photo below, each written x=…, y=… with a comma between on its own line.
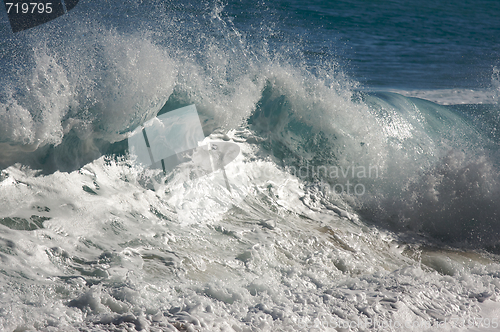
x=366, y=188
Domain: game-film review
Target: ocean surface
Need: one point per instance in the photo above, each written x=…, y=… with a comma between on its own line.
x=365, y=195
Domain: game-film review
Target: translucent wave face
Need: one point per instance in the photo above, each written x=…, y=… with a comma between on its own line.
x=434, y=170
x=455, y=96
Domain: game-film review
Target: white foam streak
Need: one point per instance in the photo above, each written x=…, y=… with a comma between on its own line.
x=454, y=96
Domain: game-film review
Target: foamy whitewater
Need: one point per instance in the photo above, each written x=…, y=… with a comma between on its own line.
x=350, y=207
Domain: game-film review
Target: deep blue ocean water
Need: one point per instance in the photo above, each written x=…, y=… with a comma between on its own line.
x=395, y=44
x=366, y=189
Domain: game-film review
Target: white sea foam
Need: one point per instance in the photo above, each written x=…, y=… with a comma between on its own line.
x=113, y=254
